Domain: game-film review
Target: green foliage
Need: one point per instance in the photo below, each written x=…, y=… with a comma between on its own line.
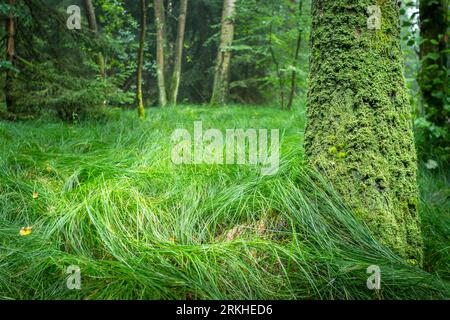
x=5, y=65
x=254, y=73
x=425, y=37
x=265, y=42
x=19, y=10
x=55, y=67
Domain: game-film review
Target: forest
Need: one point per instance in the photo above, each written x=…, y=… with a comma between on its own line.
x=224, y=149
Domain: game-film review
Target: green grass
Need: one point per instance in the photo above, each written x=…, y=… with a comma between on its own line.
x=140, y=227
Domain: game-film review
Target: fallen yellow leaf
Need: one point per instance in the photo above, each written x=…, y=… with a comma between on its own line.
x=35, y=195
x=25, y=231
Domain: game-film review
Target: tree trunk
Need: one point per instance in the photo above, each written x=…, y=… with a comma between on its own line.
x=10, y=52
x=275, y=60
x=178, y=53
x=160, y=48
x=92, y=21
x=433, y=78
x=295, y=59
x=140, y=66
x=90, y=12
x=359, y=129
x=220, y=88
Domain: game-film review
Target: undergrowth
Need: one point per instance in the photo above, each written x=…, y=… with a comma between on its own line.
x=105, y=196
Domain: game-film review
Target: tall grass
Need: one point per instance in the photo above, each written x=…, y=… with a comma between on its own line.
x=139, y=227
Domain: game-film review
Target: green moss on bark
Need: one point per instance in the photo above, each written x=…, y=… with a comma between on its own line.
x=359, y=129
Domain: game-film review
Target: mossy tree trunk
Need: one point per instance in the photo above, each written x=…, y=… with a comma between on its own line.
x=220, y=87
x=359, y=127
x=92, y=22
x=140, y=66
x=433, y=78
x=160, y=50
x=178, y=52
x=10, y=52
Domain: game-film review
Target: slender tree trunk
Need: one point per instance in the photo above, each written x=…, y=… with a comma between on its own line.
x=433, y=78
x=168, y=46
x=220, y=88
x=90, y=12
x=359, y=129
x=10, y=52
x=160, y=51
x=140, y=66
x=92, y=21
x=178, y=52
x=295, y=60
x=275, y=60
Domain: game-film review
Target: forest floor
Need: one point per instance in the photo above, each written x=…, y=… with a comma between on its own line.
x=106, y=197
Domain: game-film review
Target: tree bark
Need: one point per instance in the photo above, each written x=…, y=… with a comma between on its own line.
x=10, y=53
x=220, y=88
x=178, y=52
x=160, y=49
x=359, y=129
x=92, y=22
x=140, y=66
x=433, y=77
x=295, y=59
